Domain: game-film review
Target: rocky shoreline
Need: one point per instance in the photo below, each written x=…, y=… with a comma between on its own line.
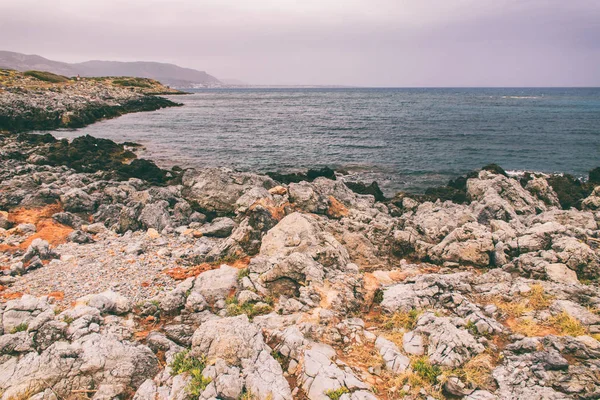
x=43, y=101
x=123, y=280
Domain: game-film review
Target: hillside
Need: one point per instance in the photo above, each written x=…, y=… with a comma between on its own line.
x=169, y=74
x=37, y=100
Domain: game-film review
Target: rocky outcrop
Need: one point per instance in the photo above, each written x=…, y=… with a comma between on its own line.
x=216, y=190
x=41, y=352
x=232, y=285
x=498, y=197
x=29, y=103
x=240, y=344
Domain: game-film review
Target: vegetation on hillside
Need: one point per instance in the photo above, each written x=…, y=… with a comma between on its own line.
x=46, y=76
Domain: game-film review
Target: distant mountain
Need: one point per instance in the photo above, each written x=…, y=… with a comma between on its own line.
x=168, y=74
x=25, y=62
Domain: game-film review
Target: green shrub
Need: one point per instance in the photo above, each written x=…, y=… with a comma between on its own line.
x=19, y=328
x=46, y=76
x=378, y=296
x=250, y=309
x=336, y=394
x=243, y=273
x=132, y=82
x=425, y=370
x=184, y=363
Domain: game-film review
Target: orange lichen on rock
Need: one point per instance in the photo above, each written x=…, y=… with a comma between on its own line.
x=46, y=228
x=278, y=190
x=277, y=212
x=141, y=335
x=336, y=209
x=11, y=296
x=50, y=231
x=240, y=263
x=57, y=295
x=180, y=273
x=33, y=215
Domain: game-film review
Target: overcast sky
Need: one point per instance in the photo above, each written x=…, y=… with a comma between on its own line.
x=345, y=42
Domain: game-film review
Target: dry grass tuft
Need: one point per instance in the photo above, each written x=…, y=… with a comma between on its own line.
x=534, y=300
x=562, y=324
x=363, y=356
x=528, y=327
x=476, y=373
x=568, y=325
x=421, y=376
x=401, y=320
x=537, y=298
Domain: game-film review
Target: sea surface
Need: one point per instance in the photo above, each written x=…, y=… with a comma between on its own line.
x=406, y=139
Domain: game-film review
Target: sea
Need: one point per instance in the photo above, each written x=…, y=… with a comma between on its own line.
x=405, y=139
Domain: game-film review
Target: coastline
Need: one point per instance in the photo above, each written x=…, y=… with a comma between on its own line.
x=292, y=285
x=49, y=102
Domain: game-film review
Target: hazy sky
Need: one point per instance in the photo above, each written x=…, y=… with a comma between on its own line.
x=346, y=42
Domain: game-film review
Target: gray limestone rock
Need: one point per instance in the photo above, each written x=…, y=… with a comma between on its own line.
x=448, y=345
x=218, y=189
x=76, y=200
x=216, y=284
x=219, y=227
x=239, y=343
x=394, y=360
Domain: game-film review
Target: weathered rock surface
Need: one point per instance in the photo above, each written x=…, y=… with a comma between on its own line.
x=217, y=190
x=240, y=344
x=303, y=289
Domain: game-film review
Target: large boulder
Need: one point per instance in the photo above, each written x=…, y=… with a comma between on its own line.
x=76, y=200
x=219, y=227
x=240, y=343
x=592, y=202
x=326, y=196
x=297, y=254
x=321, y=375
x=448, y=345
x=217, y=190
x=540, y=188
x=39, y=248
x=107, y=302
x=156, y=215
x=433, y=221
x=23, y=312
x=573, y=220
x=216, y=284
x=552, y=368
x=470, y=244
x=499, y=197
x=301, y=233
x=578, y=256
x=424, y=291
x=394, y=360
x=90, y=362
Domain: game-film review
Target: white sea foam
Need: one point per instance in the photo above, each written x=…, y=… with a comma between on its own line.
x=521, y=97
x=520, y=173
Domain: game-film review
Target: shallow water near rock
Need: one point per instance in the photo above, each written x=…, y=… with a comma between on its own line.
x=406, y=139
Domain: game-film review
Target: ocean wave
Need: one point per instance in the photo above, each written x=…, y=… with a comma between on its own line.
x=517, y=173
x=520, y=173
x=521, y=97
